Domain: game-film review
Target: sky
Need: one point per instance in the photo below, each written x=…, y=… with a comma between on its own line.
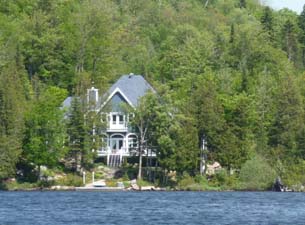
x=295, y=5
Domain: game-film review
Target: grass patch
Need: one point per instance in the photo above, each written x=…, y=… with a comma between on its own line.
x=15, y=185
x=70, y=180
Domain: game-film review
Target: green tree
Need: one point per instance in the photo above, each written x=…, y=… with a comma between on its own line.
x=12, y=109
x=290, y=41
x=77, y=133
x=289, y=118
x=256, y=174
x=45, y=130
x=268, y=22
x=301, y=24
x=142, y=119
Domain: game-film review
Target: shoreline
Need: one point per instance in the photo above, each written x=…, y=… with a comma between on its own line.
x=118, y=189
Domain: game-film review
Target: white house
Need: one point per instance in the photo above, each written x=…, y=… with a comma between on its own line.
x=119, y=139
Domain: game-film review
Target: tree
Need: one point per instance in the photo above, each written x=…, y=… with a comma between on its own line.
x=45, y=130
x=12, y=109
x=289, y=119
x=83, y=129
x=236, y=143
x=268, y=23
x=142, y=119
x=301, y=24
x=232, y=34
x=256, y=174
x=290, y=41
x=76, y=134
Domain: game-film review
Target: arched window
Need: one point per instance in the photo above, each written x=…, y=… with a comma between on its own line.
x=132, y=142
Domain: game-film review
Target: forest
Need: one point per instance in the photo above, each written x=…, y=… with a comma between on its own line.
x=231, y=72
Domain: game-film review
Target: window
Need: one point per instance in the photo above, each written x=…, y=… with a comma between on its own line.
x=121, y=119
x=113, y=119
x=132, y=142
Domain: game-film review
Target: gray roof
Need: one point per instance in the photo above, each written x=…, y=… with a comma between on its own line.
x=132, y=86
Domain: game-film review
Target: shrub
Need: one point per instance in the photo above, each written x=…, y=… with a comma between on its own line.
x=143, y=183
x=201, y=180
x=256, y=174
x=185, y=181
x=70, y=180
x=294, y=176
x=111, y=183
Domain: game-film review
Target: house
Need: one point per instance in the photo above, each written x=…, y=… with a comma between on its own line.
x=118, y=138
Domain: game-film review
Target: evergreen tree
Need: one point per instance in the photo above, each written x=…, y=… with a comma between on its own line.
x=232, y=34
x=268, y=23
x=79, y=151
x=12, y=109
x=302, y=33
x=289, y=119
x=290, y=41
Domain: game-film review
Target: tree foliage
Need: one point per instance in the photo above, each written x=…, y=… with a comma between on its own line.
x=231, y=72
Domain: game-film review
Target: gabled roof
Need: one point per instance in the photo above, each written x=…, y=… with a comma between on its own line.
x=132, y=87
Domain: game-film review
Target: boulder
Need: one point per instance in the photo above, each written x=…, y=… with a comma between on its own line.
x=213, y=168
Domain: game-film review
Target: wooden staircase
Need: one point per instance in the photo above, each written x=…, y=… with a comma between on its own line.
x=114, y=160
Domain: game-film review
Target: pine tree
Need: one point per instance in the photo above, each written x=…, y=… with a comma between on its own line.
x=76, y=134
x=302, y=33
x=289, y=118
x=267, y=22
x=290, y=41
x=12, y=109
x=232, y=34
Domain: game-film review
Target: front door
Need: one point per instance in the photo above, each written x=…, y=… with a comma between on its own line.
x=116, y=144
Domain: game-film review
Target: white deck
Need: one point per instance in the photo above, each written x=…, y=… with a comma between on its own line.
x=124, y=152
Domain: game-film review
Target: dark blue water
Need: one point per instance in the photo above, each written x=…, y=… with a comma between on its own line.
x=145, y=208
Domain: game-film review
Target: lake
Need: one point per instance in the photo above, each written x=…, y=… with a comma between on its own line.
x=144, y=208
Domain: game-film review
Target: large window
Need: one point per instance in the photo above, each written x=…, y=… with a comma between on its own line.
x=116, y=143
x=132, y=142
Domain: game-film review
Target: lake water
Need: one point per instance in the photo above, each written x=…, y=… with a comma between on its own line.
x=144, y=208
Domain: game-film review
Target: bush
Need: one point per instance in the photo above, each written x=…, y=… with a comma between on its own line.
x=224, y=181
x=294, y=176
x=256, y=174
x=15, y=185
x=70, y=180
x=199, y=179
x=111, y=183
x=185, y=181
x=143, y=183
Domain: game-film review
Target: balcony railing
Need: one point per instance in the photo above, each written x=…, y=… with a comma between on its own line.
x=124, y=152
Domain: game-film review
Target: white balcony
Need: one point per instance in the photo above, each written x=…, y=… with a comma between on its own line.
x=117, y=123
x=107, y=151
x=124, y=152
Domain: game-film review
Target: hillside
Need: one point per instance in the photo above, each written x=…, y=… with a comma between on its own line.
x=230, y=72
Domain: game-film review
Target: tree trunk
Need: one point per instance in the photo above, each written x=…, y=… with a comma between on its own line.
x=140, y=161
x=206, y=3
